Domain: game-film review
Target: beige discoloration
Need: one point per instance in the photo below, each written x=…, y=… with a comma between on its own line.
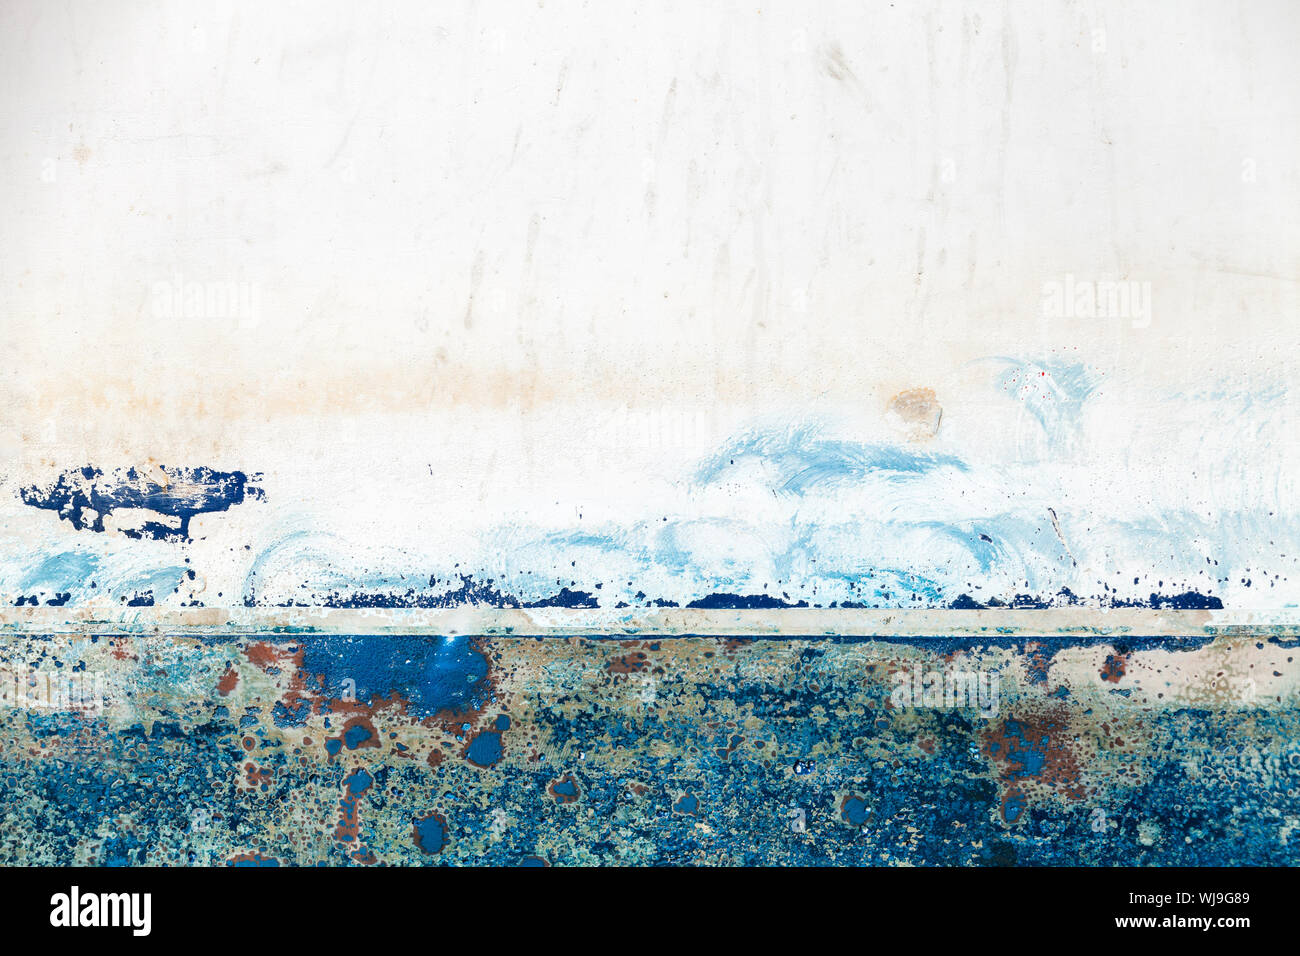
x=120, y=414
x=916, y=412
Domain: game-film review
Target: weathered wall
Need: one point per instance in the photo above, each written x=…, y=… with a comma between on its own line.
x=569, y=319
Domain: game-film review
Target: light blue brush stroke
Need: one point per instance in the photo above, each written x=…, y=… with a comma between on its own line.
x=62, y=572
x=802, y=461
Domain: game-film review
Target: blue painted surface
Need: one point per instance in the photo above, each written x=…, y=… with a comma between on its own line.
x=618, y=751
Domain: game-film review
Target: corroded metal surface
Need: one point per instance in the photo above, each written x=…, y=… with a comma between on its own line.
x=297, y=749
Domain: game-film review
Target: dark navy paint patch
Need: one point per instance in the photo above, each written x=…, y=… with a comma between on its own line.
x=84, y=497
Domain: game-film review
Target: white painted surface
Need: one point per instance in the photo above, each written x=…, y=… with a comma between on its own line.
x=514, y=270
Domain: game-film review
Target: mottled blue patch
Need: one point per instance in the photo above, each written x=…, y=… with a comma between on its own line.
x=485, y=749
x=430, y=834
x=285, y=716
x=1026, y=752
x=854, y=811
x=432, y=674
x=359, y=781
x=356, y=735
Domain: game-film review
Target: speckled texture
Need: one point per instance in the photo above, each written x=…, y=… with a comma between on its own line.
x=259, y=751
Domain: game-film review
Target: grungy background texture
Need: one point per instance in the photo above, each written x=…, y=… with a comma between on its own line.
x=579, y=432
